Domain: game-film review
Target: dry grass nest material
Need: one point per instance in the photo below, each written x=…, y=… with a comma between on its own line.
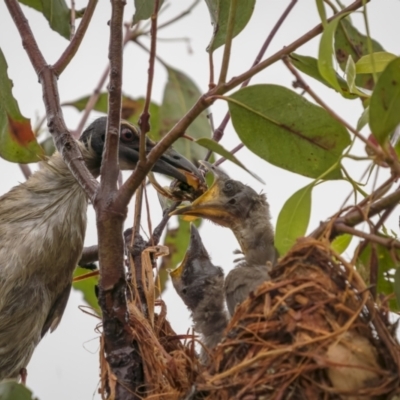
x=312, y=332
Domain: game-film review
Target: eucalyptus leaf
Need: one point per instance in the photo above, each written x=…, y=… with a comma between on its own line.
x=12, y=390
x=219, y=13
x=364, y=118
x=341, y=243
x=17, y=140
x=87, y=288
x=217, y=148
x=326, y=53
x=375, y=62
x=384, y=108
x=56, y=12
x=350, y=42
x=388, y=265
x=309, y=66
x=144, y=9
x=293, y=219
x=351, y=79
x=288, y=131
x=180, y=94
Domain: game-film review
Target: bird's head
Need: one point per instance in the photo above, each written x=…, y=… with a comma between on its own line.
x=171, y=163
x=227, y=202
x=195, y=273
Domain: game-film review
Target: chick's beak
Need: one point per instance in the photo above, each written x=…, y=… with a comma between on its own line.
x=211, y=204
x=195, y=251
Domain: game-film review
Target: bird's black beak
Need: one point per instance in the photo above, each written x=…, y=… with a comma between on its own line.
x=171, y=163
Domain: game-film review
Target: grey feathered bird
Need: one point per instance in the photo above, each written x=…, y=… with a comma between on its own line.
x=200, y=285
x=232, y=204
x=42, y=229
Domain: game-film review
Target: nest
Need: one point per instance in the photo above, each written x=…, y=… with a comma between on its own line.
x=312, y=332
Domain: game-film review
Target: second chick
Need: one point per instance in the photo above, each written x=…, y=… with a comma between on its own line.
x=200, y=285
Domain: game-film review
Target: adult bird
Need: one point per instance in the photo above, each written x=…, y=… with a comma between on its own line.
x=232, y=204
x=200, y=285
x=42, y=230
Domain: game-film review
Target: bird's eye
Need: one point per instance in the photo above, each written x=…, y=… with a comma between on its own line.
x=232, y=201
x=184, y=290
x=127, y=135
x=229, y=186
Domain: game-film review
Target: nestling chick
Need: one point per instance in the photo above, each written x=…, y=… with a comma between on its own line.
x=42, y=229
x=200, y=285
x=234, y=205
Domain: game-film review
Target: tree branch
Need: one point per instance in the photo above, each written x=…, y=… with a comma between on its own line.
x=76, y=41
x=63, y=140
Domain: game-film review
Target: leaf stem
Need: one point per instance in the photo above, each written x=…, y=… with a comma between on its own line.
x=228, y=42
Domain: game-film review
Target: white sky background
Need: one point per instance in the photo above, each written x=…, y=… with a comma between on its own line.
x=65, y=364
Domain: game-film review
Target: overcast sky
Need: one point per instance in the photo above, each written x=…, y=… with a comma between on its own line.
x=65, y=364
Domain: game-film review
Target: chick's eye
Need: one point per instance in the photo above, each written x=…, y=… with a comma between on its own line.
x=228, y=186
x=127, y=135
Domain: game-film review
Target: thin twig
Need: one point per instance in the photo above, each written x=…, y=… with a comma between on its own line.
x=96, y=93
x=219, y=132
x=387, y=242
x=76, y=41
x=144, y=120
x=25, y=170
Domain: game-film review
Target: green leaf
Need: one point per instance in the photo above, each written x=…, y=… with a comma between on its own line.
x=219, y=13
x=364, y=119
x=388, y=263
x=177, y=239
x=322, y=12
x=12, y=390
x=56, y=12
x=397, y=286
x=86, y=286
x=217, y=148
x=17, y=140
x=341, y=242
x=350, y=42
x=131, y=110
x=384, y=107
x=180, y=94
x=288, y=131
x=326, y=52
x=351, y=80
x=144, y=9
x=293, y=219
x=309, y=66
x=375, y=62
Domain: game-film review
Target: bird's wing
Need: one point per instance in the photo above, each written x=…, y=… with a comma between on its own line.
x=57, y=310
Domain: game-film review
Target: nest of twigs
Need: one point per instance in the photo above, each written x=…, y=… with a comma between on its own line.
x=312, y=332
